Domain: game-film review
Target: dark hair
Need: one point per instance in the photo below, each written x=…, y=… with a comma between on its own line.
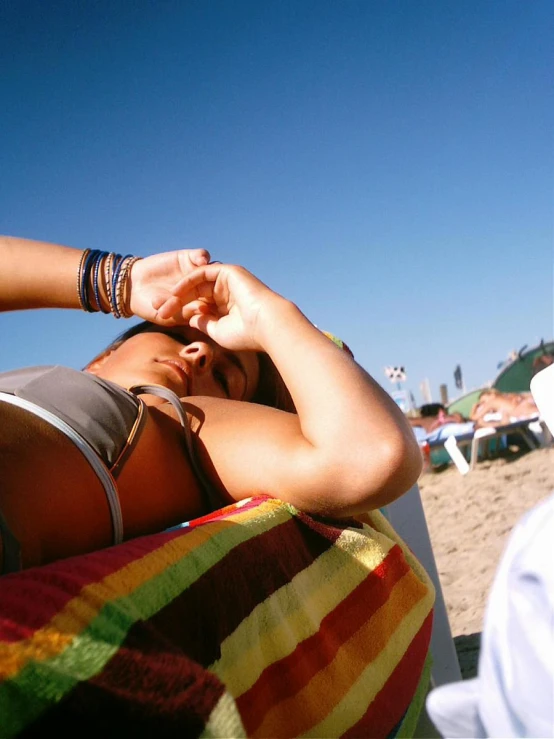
x=271, y=390
x=431, y=409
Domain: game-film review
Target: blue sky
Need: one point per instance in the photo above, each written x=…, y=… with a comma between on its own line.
x=386, y=165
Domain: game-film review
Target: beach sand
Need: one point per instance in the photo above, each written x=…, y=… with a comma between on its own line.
x=470, y=519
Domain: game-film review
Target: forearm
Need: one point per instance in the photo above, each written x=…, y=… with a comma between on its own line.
x=349, y=448
x=35, y=274
x=357, y=432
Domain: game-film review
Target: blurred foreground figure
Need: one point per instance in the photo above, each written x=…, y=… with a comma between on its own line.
x=513, y=695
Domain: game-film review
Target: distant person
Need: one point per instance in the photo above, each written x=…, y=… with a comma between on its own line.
x=224, y=391
x=434, y=415
x=495, y=408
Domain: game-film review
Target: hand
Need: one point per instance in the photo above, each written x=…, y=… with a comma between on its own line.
x=223, y=301
x=153, y=279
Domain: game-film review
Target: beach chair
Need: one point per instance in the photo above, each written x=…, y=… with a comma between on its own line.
x=408, y=518
x=520, y=428
x=533, y=430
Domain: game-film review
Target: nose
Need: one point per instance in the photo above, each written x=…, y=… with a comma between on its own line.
x=199, y=354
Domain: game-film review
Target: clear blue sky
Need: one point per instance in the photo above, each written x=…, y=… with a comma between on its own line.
x=388, y=165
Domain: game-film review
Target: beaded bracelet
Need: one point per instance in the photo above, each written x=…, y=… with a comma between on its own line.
x=127, y=296
x=117, y=271
x=88, y=266
x=109, y=270
x=80, y=277
x=95, y=287
x=122, y=295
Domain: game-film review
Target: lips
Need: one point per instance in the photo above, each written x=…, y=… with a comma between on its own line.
x=182, y=371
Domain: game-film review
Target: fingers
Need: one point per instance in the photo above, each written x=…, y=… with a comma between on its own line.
x=204, y=322
x=175, y=308
x=199, y=257
x=196, y=286
x=167, y=308
x=207, y=273
x=171, y=305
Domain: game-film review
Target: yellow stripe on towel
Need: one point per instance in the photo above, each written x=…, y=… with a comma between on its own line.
x=373, y=678
x=294, y=612
x=349, y=684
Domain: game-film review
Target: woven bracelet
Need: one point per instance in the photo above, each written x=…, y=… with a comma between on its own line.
x=79, y=278
x=89, y=263
x=108, y=269
x=123, y=282
x=118, y=265
x=95, y=279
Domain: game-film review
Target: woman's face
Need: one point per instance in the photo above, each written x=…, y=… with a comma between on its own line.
x=184, y=360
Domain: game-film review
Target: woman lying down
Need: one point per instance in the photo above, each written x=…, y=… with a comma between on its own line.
x=495, y=408
x=225, y=390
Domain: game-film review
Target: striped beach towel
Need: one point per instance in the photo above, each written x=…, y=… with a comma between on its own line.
x=257, y=620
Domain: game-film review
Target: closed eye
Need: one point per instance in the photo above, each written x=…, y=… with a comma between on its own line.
x=222, y=380
x=177, y=336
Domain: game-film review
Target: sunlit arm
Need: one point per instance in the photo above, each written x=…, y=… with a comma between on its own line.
x=35, y=274
x=348, y=450
x=358, y=435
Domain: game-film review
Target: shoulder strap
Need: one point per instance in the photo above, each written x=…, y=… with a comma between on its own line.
x=167, y=394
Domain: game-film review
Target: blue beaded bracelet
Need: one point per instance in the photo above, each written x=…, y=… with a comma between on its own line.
x=95, y=277
x=118, y=264
x=111, y=270
x=90, y=262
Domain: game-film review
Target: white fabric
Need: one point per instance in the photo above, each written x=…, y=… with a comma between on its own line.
x=513, y=695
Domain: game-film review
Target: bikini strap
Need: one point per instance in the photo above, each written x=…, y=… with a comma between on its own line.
x=163, y=392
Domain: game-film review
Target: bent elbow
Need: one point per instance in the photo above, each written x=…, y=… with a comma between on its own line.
x=404, y=463
x=387, y=473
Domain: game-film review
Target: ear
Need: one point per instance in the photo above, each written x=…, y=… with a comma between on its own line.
x=98, y=362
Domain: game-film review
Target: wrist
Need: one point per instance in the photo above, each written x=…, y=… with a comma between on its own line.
x=134, y=286
x=275, y=315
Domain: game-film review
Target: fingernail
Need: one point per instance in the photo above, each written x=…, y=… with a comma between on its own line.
x=201, y=258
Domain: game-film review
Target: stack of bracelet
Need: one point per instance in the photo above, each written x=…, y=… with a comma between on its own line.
x=104, y=276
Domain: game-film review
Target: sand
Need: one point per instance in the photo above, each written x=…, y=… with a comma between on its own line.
x=470, y=519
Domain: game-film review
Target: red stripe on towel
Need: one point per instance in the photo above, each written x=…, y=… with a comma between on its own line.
x=288, y=676
x=392, y=701
x=56, y=584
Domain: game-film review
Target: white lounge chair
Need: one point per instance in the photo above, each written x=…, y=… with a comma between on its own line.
x=408, y=518
x=533, y=430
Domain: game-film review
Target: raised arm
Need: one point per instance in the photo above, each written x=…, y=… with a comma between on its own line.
x=349, y=449
x=37, y=274
x=34, y=274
